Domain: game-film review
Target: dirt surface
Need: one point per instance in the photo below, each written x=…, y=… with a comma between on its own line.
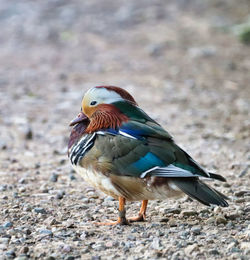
x=185, y=69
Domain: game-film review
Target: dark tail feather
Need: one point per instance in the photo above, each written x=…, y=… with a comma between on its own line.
x=198, y=190
x=217, y=177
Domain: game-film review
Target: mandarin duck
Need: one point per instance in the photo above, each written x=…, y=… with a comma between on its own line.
x=116, y=147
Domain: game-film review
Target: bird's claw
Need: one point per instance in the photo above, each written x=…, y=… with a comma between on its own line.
x=139, y=218
x=120, y=221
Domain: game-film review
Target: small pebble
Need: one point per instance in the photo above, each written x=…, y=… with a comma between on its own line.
x=15, y=195
x=240, y=193
x=8, y=225
x=27, y=208
x=22, y=181
x=245, y=245
x=196, y=230
x=188, y=213
x=131, y=238
x=66, y=248
x=60, y=195
x=3, y=187
x=72, y=177
x=28, y=133
x=27, y=231
x=210, y=220
x=156, y=244
x=84, y=235
x=22, y=189
x=172, y=223
x=46, y=232
x=4, y=240
x=233, y=216
x=22, y=257
x=40, y=210
x=220, y=220
x=109, y=244
x=190, y=249
x=69, y=223
x=51, y=221
x=70, y=257
x=51, y=258
x=96, y=258
x=213, y=252
x=10, y=254
x=24, y=250
x=172, y=211
x=53, y=177
x=217, y=210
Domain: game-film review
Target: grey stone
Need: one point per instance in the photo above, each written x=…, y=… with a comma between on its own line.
x=172, y=211
x=22, y=181
x=40, y=210
x=72, y=177
x=172, y=223
x=53, y=177
x=60, y=194
x=46, y=232
x=3, y=187
x=213, y=252
x=10, y=254
x=156, y=244
x=196, y=230
x=8, y=224
x=70, y=257
x=188, y=213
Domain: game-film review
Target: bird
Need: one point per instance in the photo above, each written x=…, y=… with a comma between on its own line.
x=119, y=149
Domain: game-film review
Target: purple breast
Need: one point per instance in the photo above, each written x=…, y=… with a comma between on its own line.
x=77, y=132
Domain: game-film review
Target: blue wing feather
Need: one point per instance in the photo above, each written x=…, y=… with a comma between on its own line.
x=147, y=162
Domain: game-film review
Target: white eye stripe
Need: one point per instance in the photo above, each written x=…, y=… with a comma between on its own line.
x=102, y=95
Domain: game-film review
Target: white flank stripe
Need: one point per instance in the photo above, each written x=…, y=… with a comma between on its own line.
x=146, y=172
x=169, y=171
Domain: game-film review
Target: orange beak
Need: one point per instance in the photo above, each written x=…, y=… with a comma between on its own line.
x=80, y=118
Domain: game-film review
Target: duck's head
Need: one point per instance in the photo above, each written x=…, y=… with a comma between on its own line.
x=100, y=100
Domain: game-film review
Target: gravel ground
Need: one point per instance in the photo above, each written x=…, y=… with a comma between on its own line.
x=184, y=68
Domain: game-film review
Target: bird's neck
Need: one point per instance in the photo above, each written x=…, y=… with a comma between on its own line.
x=107, y=116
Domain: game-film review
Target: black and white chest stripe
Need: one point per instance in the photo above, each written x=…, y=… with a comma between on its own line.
x=87, y=142
x=81, y=148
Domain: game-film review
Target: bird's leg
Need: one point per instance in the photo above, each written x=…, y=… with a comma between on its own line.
x=142, y=213
x=122, y=212
x=121, y=217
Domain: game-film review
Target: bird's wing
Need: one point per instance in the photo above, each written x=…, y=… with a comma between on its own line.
x=141, y=150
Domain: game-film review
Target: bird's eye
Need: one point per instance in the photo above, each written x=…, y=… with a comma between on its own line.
x=93, y=103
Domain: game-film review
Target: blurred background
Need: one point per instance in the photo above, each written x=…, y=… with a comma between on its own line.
x=180, y=59
x=186, y=62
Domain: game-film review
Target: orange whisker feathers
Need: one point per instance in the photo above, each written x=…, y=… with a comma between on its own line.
x=106, y=116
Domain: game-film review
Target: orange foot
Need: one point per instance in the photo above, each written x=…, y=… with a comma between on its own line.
x=120, y=221
x=139, y=218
